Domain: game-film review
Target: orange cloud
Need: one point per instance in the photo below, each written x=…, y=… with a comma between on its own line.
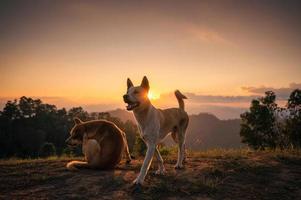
x=282, y=93
x=206, y=35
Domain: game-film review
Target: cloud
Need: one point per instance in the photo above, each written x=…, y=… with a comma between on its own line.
x=282, y=93
x=224, y=107
x=220, y=99
x=206, y=35
x=198, y=98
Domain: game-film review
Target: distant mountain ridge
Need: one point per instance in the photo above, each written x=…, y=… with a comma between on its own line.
x=205, y=131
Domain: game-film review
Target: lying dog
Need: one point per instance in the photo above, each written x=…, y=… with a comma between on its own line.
x=155, y=124
x=103, y=144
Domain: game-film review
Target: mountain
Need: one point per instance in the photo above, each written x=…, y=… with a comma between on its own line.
x=207, y=131
x=204, y=131
x=123, y=115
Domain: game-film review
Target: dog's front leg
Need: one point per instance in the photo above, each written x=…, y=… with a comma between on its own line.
x=146, y=164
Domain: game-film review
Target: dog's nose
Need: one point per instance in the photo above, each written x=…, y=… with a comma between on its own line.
x=125, y=97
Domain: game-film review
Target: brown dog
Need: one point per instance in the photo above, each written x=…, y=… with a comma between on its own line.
x=155, y=124
x=103, y=144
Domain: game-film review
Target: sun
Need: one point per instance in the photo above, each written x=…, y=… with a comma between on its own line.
x=153, y=96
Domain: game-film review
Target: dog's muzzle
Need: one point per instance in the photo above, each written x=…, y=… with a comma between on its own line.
x=131, y=105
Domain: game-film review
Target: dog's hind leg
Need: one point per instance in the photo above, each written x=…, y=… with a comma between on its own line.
x=181, y=149
x=179, y=138
x=161, y=170
x=181, y=154
x=174, y=136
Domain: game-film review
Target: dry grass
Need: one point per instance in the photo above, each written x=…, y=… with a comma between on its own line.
x=212, y=174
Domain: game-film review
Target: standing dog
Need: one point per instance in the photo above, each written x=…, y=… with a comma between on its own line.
x=155, y=124
x=103, y=144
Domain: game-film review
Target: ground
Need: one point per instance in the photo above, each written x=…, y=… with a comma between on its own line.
x=216, y=174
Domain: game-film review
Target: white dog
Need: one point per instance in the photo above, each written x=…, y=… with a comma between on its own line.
x=155, y=124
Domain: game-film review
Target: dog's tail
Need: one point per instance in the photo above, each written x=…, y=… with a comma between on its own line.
x=75, y=165
x=180, y=98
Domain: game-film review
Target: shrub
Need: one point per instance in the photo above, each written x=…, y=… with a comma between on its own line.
x=47, y=149
x=71, y=152
x=139, y=147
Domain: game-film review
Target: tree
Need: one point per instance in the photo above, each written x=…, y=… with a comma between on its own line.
x=78, y=112
x=294, y=100
x=293, y=123
x=48, y=149
x=27, y=124
x=258, y=124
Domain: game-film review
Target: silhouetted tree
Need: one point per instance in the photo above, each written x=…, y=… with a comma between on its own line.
x=258, y=124
x=47, y=149
x=293, y=123
x=26, y=124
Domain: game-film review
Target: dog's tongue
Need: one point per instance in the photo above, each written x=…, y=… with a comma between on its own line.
x=130, y=106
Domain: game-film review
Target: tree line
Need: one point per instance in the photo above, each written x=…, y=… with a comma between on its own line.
x=31, y=128
x=268, y=126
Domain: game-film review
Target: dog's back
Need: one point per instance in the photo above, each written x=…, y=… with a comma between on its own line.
x=110, y=139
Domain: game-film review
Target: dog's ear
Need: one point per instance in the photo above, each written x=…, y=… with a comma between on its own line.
x=77, y=120
x=145, y=83
x=129, y=83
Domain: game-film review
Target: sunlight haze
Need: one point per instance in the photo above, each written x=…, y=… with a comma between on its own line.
x=219, y=53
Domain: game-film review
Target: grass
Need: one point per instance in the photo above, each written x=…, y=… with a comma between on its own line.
x=214, y=174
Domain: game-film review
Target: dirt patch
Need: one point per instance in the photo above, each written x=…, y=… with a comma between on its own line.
x=255, y=176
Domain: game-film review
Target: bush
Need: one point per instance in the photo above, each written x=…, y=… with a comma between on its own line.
x=164, y=151
x=71, y=152
x=139, y=147
x=48, y=149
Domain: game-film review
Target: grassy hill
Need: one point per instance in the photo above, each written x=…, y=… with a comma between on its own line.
x=215, y=174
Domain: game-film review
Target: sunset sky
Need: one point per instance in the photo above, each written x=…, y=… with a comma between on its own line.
x=80, y=53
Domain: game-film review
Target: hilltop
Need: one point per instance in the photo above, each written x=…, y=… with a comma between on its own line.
x=216, y=174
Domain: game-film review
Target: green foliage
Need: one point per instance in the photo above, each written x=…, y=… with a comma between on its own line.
x=294, y=100
x=257, y=127
x=140, y=147
x=26, y=124
x=293, y=123
x=72, y=151
x=268, y=126
x=48, y=149
x=165, y=151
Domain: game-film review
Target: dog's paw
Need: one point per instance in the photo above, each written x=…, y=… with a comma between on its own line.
x=136, y=187
x=179, y=167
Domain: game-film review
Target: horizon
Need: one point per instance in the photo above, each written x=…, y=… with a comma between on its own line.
x=220, y=54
